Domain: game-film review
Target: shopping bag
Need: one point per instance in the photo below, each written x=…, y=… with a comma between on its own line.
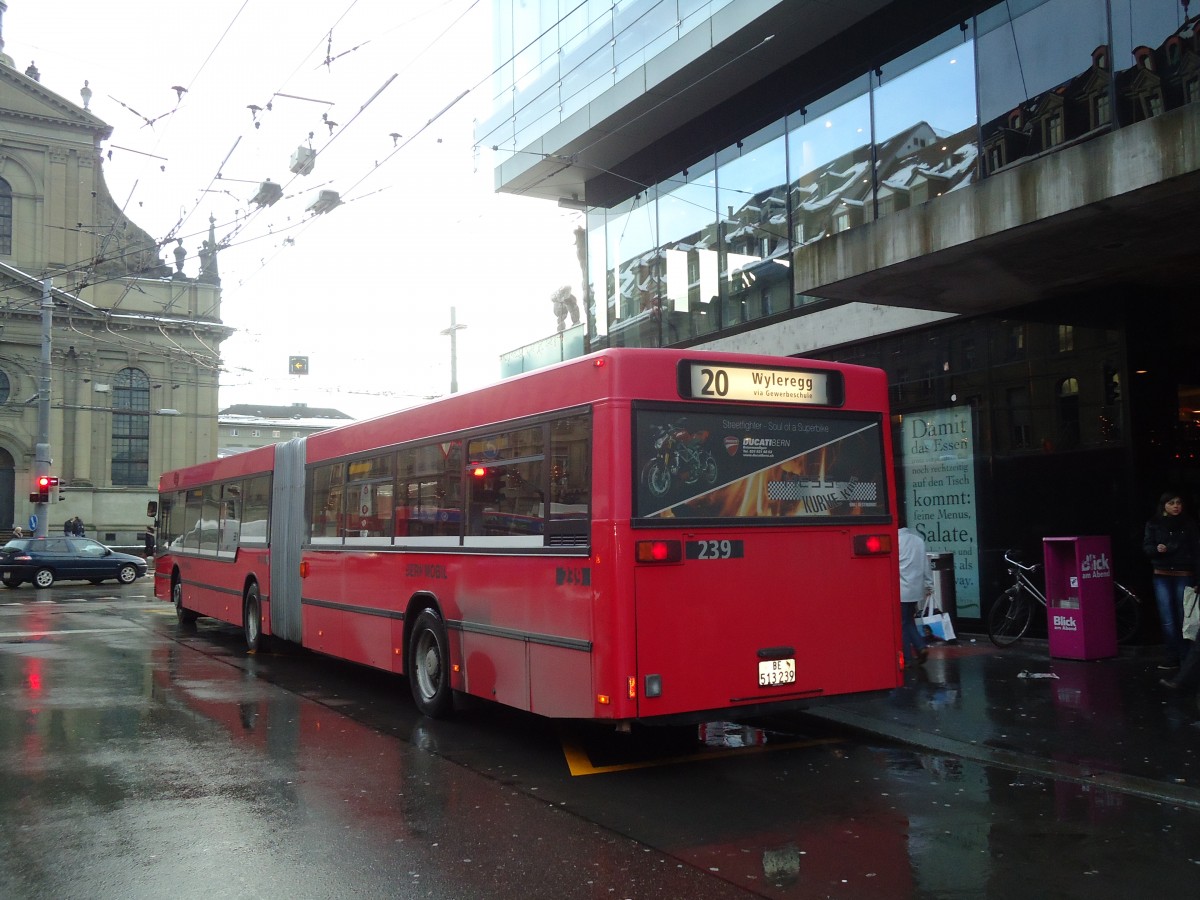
x=1191, y=613
x=933, y=624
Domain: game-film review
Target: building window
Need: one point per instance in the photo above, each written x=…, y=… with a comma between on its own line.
x=6, y=217
x=970, y=354
x=1068, y=412
x=1103, y=110
x=1016, y=341
x=841, y=220
x=5, y=387
x=131, y=428
x=1054, y=130
x=1066, y=338
x=233, y=432
x=1020, y=418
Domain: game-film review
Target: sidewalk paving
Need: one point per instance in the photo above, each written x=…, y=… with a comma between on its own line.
x=1103, y=722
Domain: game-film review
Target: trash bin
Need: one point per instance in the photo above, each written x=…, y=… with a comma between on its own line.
x=944, y=596
x=1081, y=620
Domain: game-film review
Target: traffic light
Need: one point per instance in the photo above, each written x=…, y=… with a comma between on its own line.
x=298, y=365
x=45, y=485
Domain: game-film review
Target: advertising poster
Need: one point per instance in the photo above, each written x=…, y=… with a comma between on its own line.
x=718, y=465
x=938, y=456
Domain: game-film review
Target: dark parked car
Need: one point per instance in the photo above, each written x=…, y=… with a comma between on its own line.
x=46, y=560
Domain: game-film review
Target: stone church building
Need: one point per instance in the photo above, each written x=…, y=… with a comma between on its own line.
x=134, y=341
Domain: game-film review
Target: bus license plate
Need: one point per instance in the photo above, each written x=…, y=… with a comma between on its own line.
x=776, y=671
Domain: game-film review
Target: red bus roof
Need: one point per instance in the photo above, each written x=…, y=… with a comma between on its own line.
x=620, y=374
x=250, y=462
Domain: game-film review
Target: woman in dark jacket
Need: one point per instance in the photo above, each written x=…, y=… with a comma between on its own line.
x=1172, y=544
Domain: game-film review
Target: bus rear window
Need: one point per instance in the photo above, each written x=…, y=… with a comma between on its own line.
x=735, y=464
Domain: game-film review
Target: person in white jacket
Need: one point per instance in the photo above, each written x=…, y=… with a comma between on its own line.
x=916, y=583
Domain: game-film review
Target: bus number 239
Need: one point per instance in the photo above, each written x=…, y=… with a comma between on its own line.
x=715, y=549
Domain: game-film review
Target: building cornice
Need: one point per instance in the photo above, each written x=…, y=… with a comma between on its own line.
x=33, y=286
x=70, y=115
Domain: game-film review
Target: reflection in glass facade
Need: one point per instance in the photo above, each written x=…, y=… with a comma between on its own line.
x=557, y=56
x=711, y=247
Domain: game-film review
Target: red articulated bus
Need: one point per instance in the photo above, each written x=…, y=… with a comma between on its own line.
x=639, y=534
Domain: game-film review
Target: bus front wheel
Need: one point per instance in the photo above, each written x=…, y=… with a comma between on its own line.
x=429, y=665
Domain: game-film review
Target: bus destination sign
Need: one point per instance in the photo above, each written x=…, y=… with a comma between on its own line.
x=805, y=387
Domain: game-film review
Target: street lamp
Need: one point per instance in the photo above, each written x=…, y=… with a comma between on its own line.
x=453, y=332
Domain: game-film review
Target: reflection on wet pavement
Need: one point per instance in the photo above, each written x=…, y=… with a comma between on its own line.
x=147, y=761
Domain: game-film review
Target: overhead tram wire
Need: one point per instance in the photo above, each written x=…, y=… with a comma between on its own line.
x=88, y=265
x=179, y=99
x=173, y=231
x=445, y=109
x=227, y=239
x=411, y=60
x=398, y=147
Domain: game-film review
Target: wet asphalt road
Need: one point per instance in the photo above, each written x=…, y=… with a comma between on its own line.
x=141, y=759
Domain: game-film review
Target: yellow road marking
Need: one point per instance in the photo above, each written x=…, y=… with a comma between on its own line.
x=579, y=763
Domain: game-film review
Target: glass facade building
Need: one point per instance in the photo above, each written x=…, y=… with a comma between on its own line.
x=727, y=182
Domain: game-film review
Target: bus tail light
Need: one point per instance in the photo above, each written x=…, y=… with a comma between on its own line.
x=659, y=551
x=872, y=544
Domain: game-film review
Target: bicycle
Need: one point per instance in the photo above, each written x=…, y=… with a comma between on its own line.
x=1010, y=615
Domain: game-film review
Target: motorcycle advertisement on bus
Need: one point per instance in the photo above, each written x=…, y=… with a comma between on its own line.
x=722, y=465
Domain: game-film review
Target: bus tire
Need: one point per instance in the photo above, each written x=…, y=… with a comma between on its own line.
x=184, y=615
x=252, y=620
x=429, y=665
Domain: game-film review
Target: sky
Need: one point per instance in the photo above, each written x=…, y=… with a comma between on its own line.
x=385, y=93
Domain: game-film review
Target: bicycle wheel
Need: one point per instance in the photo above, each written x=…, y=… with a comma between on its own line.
x=1009, y=617
x=1129, y=613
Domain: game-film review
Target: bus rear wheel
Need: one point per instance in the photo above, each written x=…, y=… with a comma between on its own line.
x=252, y=621
x=429, y=665
x=184, y=615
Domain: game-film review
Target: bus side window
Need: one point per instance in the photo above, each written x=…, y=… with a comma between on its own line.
x=326, y=511
x=570, y=481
